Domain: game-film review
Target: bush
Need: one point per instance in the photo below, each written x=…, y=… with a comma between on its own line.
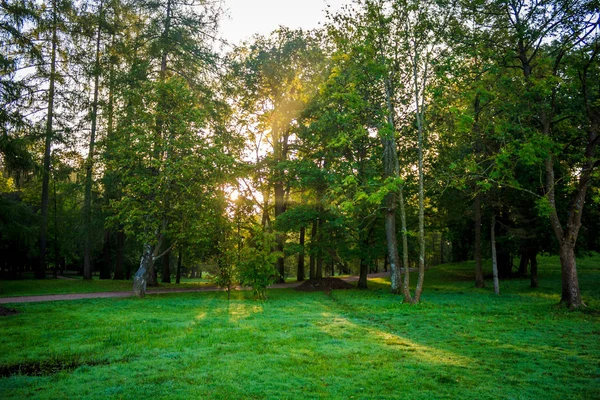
x=257, y=265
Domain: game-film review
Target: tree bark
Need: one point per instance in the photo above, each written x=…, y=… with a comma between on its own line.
x=571, y=295
x=364, y=271
x=392, y=244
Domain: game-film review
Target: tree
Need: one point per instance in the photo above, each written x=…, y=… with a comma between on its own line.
x=256, y=267
x=87, y=206
x=277, y=74
x=572, y=25
x=52, y=21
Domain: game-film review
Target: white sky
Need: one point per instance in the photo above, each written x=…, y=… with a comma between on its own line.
x=248, y=17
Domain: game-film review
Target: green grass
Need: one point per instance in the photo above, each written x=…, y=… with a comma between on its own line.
x=460, y=343
x=33, y=287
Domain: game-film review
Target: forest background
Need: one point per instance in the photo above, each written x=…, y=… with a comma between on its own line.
x=402, y=134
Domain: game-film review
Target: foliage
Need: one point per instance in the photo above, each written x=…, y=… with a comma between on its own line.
x=227, y=273
x=256, y=267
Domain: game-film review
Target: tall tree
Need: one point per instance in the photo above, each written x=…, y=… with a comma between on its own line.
x=573, y=27
x=87, y=205
x=53, y=22
x=275, y=72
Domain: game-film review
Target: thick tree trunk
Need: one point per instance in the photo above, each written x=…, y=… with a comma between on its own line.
x=364, y=271
x=141, y=277
x=392, y=244
x=494, y=257
x=571, y=296
x=300, y=272
x=40, y=272
x=479, y=281
x=152, y=273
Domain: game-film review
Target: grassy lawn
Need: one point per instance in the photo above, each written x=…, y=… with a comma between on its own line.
x=460, y=343
x=32, y=287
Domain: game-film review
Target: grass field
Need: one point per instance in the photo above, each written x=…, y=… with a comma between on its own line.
x=32, y=287
x=460, y=343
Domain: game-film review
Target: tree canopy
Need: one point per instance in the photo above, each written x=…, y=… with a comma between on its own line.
x=402, y=134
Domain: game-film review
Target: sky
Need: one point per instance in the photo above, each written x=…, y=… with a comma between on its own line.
x=247, y=17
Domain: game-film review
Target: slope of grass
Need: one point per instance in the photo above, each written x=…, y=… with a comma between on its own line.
x=459, y=343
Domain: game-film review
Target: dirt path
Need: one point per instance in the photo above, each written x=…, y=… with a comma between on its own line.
x=78, y=296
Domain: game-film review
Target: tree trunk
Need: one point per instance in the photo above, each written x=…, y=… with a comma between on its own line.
x=141, y=276
x=571, y=296
x=406, y=283
x=151, y=273
x=494, y=257
x=300, y=272
x=392, y=244
x=420, y=129
x=364, y=271
x=392, y=170
x=40, y=272
x=87, y=202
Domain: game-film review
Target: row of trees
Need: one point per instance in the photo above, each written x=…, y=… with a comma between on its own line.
x=399, y=124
